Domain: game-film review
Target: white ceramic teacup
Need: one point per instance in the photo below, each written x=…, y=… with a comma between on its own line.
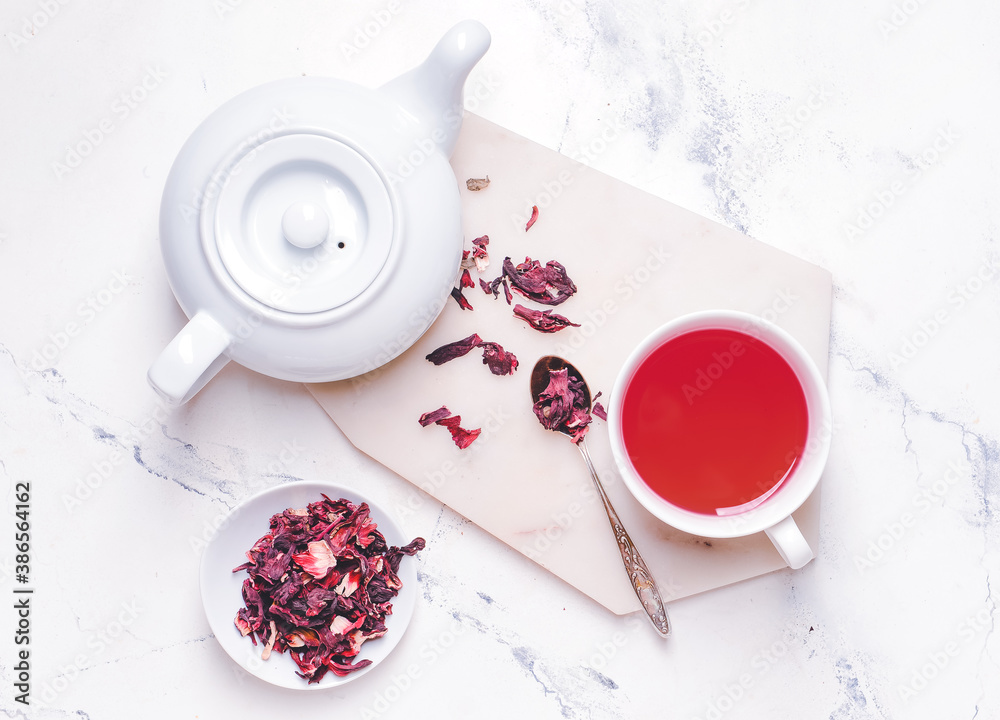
x=773, y=513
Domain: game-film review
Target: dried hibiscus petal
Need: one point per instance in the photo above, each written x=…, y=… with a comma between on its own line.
x=432, y=417
x=598, y=409
x=548, y=285
x=460, y=299
x=491, y=287
x=455, y=350
x=499, y=360
x=477, y=184
x=466, y=279
x=544, y=321
x=479, y=253
x=307, y=586
x=531, y=220
x=318, y=559
x=462, y=437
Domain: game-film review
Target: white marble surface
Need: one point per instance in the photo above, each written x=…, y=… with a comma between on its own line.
x=784, y=120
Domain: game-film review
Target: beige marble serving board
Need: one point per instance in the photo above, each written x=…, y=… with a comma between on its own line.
x=638, y=262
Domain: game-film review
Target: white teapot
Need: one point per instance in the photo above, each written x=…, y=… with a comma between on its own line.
x=311, y=227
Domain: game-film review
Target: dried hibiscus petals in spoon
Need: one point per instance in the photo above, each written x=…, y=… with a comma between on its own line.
x=320, y=584
x=562, y=406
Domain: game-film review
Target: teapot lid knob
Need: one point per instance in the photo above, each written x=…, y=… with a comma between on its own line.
x=305, y=224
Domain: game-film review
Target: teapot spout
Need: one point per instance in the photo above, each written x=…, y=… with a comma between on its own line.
x=431, y=93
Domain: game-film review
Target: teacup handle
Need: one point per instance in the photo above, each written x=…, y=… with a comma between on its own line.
x=191, y=359
x=790, y=543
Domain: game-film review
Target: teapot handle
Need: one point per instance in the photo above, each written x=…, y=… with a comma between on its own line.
x=191, y=359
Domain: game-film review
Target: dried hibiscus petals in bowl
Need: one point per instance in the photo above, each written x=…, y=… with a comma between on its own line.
x=320, y=584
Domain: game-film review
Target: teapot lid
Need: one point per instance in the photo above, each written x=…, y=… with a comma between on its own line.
x=302, y=222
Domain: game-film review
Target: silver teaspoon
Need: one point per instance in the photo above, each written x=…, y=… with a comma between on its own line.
x=638, y=574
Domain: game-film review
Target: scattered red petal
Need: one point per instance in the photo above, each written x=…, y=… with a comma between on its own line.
x=460, y=299
x=466, y=280
x=597, y=410
x=454, y=350
x=492, y=287
x=531, y=220
x=479, y=253
x=549, y=285
x=462, y=437
x=499, y=360
x=431, y=417
x=544, y=321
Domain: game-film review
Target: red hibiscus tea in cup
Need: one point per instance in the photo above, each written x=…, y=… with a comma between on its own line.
x=714, y=421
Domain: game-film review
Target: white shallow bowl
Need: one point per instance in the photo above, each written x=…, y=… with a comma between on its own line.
x=221, y=588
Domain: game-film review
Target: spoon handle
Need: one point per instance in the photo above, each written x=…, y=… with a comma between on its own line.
x=638, y=574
